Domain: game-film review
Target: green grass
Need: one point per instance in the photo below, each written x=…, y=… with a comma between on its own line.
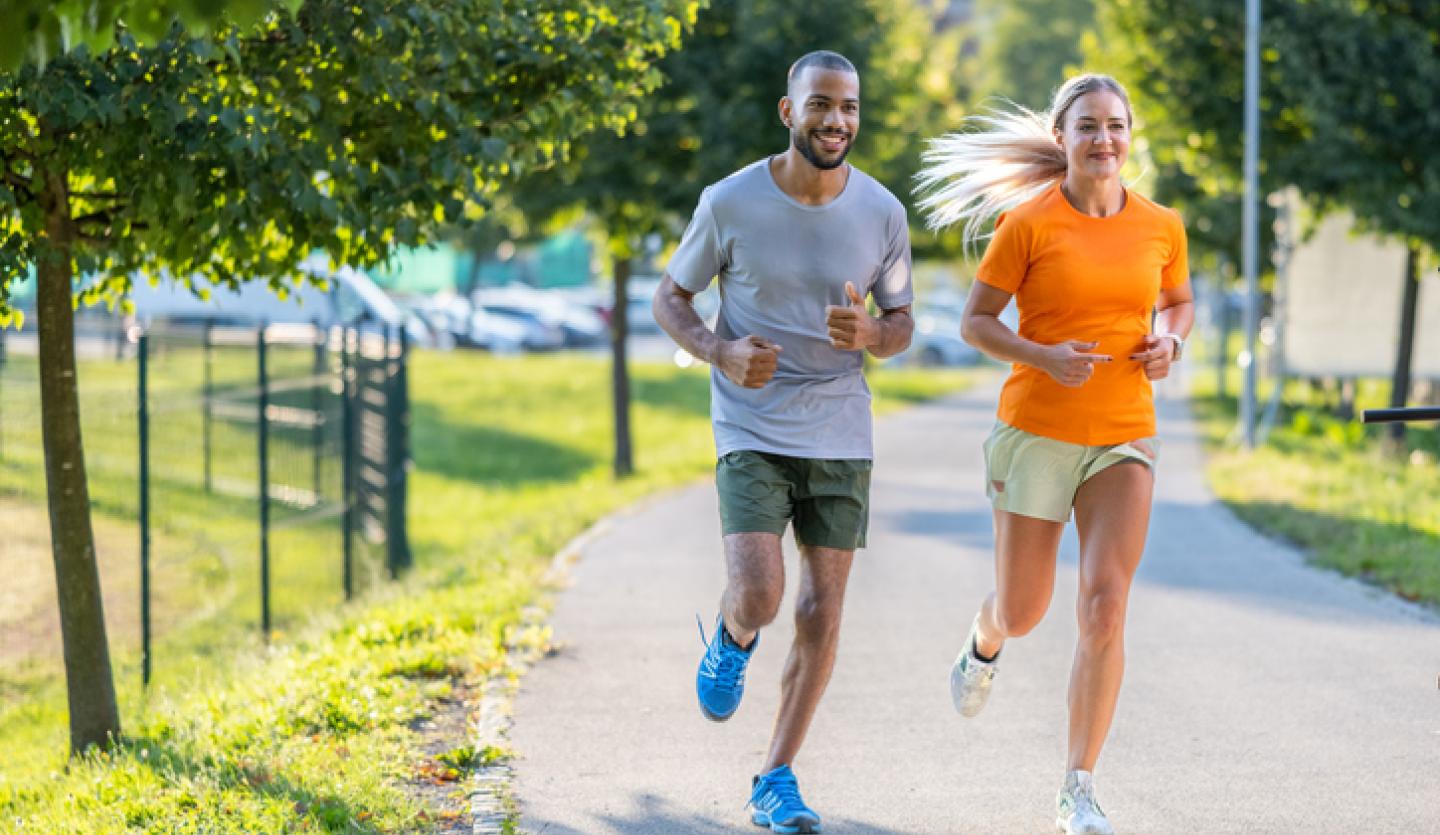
x=315, y=733
x=205, y=561
x=1334, y=487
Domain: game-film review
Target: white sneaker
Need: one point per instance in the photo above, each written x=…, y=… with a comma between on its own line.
x=970, y=677
x=1077, y=812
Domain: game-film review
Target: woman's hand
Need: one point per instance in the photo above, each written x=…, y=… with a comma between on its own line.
x=1157, y=354
x=1070, y=362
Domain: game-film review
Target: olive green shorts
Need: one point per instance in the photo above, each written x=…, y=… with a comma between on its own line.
x=829, y=499
x=1036, y=476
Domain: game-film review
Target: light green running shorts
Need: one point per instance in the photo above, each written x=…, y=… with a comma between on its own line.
x=1035, y=476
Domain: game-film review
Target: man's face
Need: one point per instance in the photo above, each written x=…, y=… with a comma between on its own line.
x=823, y=112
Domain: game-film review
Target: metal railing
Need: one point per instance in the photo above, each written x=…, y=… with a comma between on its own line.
x=261, y=471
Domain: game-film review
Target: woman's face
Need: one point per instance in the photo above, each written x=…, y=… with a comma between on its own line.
x=1096, y=135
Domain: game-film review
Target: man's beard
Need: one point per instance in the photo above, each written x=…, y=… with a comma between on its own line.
x=803, y=144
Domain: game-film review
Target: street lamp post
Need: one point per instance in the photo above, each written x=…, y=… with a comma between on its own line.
x=1249, y=219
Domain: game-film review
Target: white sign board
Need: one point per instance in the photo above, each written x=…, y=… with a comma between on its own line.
x=1342, y=307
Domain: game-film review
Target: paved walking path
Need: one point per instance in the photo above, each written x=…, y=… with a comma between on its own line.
x=1263, y=696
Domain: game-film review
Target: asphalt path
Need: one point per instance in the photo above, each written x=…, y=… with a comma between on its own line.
x=1262, y=695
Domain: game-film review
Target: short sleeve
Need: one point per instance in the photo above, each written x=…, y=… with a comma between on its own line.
x=699, y=257
x=1007, y=258
x=1177, y=270
x=892, y=287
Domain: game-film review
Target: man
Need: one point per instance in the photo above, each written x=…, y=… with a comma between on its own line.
x=797, y=241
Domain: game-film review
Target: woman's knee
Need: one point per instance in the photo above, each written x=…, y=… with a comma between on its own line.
x=1017, y=619
x=1102, y=615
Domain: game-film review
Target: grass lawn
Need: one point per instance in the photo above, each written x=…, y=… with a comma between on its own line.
x=318, y=732
x=1332, y=487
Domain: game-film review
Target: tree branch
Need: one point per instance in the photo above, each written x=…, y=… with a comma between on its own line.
x=103, y=240
x=103, y=216
x=19, y=183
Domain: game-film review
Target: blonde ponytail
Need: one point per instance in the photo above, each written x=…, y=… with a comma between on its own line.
x=999, y=160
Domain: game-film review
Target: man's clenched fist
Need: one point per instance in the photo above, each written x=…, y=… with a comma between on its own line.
x=748, y=362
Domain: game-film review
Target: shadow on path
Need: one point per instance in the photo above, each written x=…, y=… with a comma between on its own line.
x=653, y=814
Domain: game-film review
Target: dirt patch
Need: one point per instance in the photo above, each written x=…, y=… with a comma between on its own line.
x=29, y=617
x=438, y=783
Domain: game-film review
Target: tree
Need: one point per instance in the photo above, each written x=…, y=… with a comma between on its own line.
x=38, y=30
x=1349, y=93
x=1026, y=48
x=352, y=127
x=717, y=112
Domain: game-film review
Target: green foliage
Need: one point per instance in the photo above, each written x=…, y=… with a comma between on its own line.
x=1025, y=49
x=1349, y=97
x=717, y=110
x=37, y=30
x=350, y=127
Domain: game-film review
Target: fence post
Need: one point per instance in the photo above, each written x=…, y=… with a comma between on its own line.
x=347, y=458
x=401, y=531
x=397, y=550
x=206, y=406
x=317, y=405
x=264, y=451
x=144, y=416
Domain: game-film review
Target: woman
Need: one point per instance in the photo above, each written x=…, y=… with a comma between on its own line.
x=1088, y=262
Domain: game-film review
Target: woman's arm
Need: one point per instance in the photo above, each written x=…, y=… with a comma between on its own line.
x=1068, y=362
x=1175, y=316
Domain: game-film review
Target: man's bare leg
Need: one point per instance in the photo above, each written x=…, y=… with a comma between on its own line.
x=755, y=569
x=824, y=573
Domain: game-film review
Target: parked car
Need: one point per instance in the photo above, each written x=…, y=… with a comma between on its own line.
x=448, y=314
x=349, y=298
x=539, y=335
x=578, y=321
x=493, y=332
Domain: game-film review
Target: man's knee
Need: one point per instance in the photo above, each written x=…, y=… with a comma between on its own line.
x=817, y=616
x=754, y=605
x=757, y=578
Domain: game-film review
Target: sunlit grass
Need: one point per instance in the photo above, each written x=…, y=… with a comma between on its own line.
x=1331, y=485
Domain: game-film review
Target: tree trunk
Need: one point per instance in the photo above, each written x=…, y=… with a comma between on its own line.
x=1400, y=382
x=94, y=716
x=620, y=374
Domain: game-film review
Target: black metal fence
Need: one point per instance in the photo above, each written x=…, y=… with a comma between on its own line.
x=246, y=476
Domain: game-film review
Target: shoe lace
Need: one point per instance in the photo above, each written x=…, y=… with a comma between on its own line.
x=1084, y=796
x=784, y=788
x=727, y=668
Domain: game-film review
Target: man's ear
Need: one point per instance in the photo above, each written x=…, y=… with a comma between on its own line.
x=785, y=109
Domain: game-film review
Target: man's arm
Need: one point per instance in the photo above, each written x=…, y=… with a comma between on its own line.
x=852, y=328
x=748, y=362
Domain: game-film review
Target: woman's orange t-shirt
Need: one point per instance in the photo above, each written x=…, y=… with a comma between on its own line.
x=1091, y=279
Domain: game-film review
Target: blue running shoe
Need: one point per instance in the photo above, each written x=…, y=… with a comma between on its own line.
x=775, y=802
x=721, y=680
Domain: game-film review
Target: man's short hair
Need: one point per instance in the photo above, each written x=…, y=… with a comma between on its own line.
x=820, y=59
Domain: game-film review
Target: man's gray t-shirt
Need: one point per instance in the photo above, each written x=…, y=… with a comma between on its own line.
x=780, y=262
